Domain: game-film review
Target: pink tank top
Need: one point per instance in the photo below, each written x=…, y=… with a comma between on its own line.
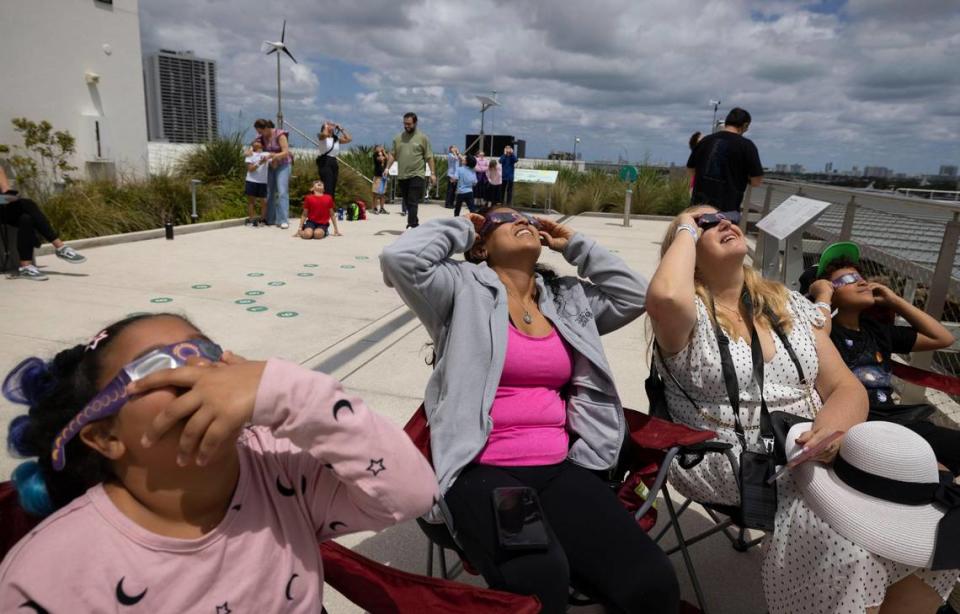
x=529, y=412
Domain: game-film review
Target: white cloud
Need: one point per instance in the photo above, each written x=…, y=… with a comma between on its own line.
x=620, y=73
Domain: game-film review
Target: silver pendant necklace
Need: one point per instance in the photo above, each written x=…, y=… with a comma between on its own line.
x=527, y=318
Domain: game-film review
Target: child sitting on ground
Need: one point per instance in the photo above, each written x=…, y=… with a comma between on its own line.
x=181, y=478
x=318, y=214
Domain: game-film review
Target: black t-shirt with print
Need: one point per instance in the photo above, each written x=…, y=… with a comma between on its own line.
x=867, y=353
x=723, y=163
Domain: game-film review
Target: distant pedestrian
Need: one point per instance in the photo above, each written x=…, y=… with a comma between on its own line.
x=411, y=150
x=453, y=162
x=466, y=180
x=277, y=146
x=317, y=214
x=480, y=190
x=331, y=137
x=380, y=178
x=723, y=163
x=255, y=186
x=494, y=183
x=507, y=163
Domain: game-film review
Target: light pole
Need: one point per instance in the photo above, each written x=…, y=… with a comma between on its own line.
x=576, y=141
x=713, y=126
x=485, y=103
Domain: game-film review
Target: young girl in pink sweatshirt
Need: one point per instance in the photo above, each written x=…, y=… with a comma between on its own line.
x=179, y=478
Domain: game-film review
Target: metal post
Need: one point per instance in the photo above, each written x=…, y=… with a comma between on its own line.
x=745, y=208
x=770, y=257
x=846, y=231
x=193, y=197
x=279, y=106
x=761, y=237
x=793, y=260
x=626, y=208
x=936, y=299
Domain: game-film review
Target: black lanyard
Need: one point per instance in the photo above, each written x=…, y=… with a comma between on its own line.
x=730, y=380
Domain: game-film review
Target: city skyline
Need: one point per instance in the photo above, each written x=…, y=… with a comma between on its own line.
x=824, y=80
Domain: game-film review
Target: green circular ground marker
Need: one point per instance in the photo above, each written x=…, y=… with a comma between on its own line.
x=257, y=308
x=304, y=274
x=363, y=258
x=254, y=274
x=136, y=314
x=254, y=292
x=277, y=283
x=161, y=299
x=347, y=266
x=244, y=301
x=311, y=266
x=287, y=314
x=200, y=286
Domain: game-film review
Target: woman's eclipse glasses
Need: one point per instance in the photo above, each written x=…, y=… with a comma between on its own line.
x=709, y=220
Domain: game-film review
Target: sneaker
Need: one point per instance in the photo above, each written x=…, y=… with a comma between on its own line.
x=32, y=273
x=70, y=255
x=284, y=226
x=250, y=222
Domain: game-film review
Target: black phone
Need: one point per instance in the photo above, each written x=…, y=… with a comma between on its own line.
x=520, y=523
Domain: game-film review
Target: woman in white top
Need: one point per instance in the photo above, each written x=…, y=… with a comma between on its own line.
x=331, y=136
x=701, y=280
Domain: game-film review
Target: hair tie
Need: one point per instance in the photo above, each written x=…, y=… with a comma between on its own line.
x=28, y=381
x=92, y=345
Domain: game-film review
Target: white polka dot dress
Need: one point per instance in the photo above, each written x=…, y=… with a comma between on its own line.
x=807, y=566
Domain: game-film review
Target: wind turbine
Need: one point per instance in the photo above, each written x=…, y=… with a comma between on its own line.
x=269, y=47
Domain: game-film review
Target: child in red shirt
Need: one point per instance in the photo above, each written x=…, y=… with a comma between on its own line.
x=317, y=214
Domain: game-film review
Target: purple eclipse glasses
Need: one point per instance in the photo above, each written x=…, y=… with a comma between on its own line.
x=505, y=217
x=709, y=220
x=846, y=280
x=114, y=395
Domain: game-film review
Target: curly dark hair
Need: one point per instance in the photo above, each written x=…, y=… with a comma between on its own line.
x=55, y=392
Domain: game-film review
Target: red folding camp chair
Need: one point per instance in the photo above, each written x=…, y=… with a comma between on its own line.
x=369, y=584
x=646, y=458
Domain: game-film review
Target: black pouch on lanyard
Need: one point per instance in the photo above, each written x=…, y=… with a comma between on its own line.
x=758, y=497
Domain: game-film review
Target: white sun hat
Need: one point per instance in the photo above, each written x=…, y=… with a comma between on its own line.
x=879, y=493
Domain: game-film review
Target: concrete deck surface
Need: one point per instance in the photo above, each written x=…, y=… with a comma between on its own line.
x=261, y=293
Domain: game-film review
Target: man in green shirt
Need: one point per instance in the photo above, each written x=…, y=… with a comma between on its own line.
x=411, y=150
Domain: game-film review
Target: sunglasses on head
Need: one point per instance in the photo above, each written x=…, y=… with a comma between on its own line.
x=846, y=280
x=504, y=217
x=709, y=220
x=114, y=395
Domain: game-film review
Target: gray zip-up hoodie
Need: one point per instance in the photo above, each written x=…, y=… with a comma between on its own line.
x=463, y=306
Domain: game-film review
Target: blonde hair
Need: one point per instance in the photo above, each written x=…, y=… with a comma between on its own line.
x=768, y=297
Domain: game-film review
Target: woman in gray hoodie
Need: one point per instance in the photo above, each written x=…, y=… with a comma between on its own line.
x=522, y=396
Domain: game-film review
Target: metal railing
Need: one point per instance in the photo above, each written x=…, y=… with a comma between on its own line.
x=907, y=243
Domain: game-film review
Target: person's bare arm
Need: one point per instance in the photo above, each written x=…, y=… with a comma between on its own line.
x=284, y=147
x=344, y=135
x=4, y=182
x=931, y=334
x=433, y=169
x=670, y=296
x=822, y=292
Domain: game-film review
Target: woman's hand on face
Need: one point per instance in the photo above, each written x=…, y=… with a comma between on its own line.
x=822, y=290
x=218, y=403
x=814, y=436
x=478, y=221
x=553, y=235
x=883, y=296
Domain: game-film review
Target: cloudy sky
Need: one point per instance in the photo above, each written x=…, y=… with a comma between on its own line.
x=855, y=82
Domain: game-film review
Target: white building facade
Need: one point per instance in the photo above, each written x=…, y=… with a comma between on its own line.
x=77, y=64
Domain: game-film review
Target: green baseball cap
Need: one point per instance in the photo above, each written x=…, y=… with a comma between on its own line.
x=843, y=249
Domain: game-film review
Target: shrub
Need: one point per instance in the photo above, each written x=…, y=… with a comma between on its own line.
x=217, y=159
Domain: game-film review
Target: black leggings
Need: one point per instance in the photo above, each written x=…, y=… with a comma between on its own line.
x=29, y=220
x=329, y=171
x=944, y=441
x=592, y=538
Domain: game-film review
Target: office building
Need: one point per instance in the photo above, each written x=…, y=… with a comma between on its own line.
x=948, y=170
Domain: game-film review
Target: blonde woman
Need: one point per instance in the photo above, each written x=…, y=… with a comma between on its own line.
x=700, y=284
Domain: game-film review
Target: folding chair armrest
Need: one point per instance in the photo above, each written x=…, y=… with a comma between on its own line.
x=706, y=446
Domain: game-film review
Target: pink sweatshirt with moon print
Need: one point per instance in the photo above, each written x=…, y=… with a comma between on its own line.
x=315, y=464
